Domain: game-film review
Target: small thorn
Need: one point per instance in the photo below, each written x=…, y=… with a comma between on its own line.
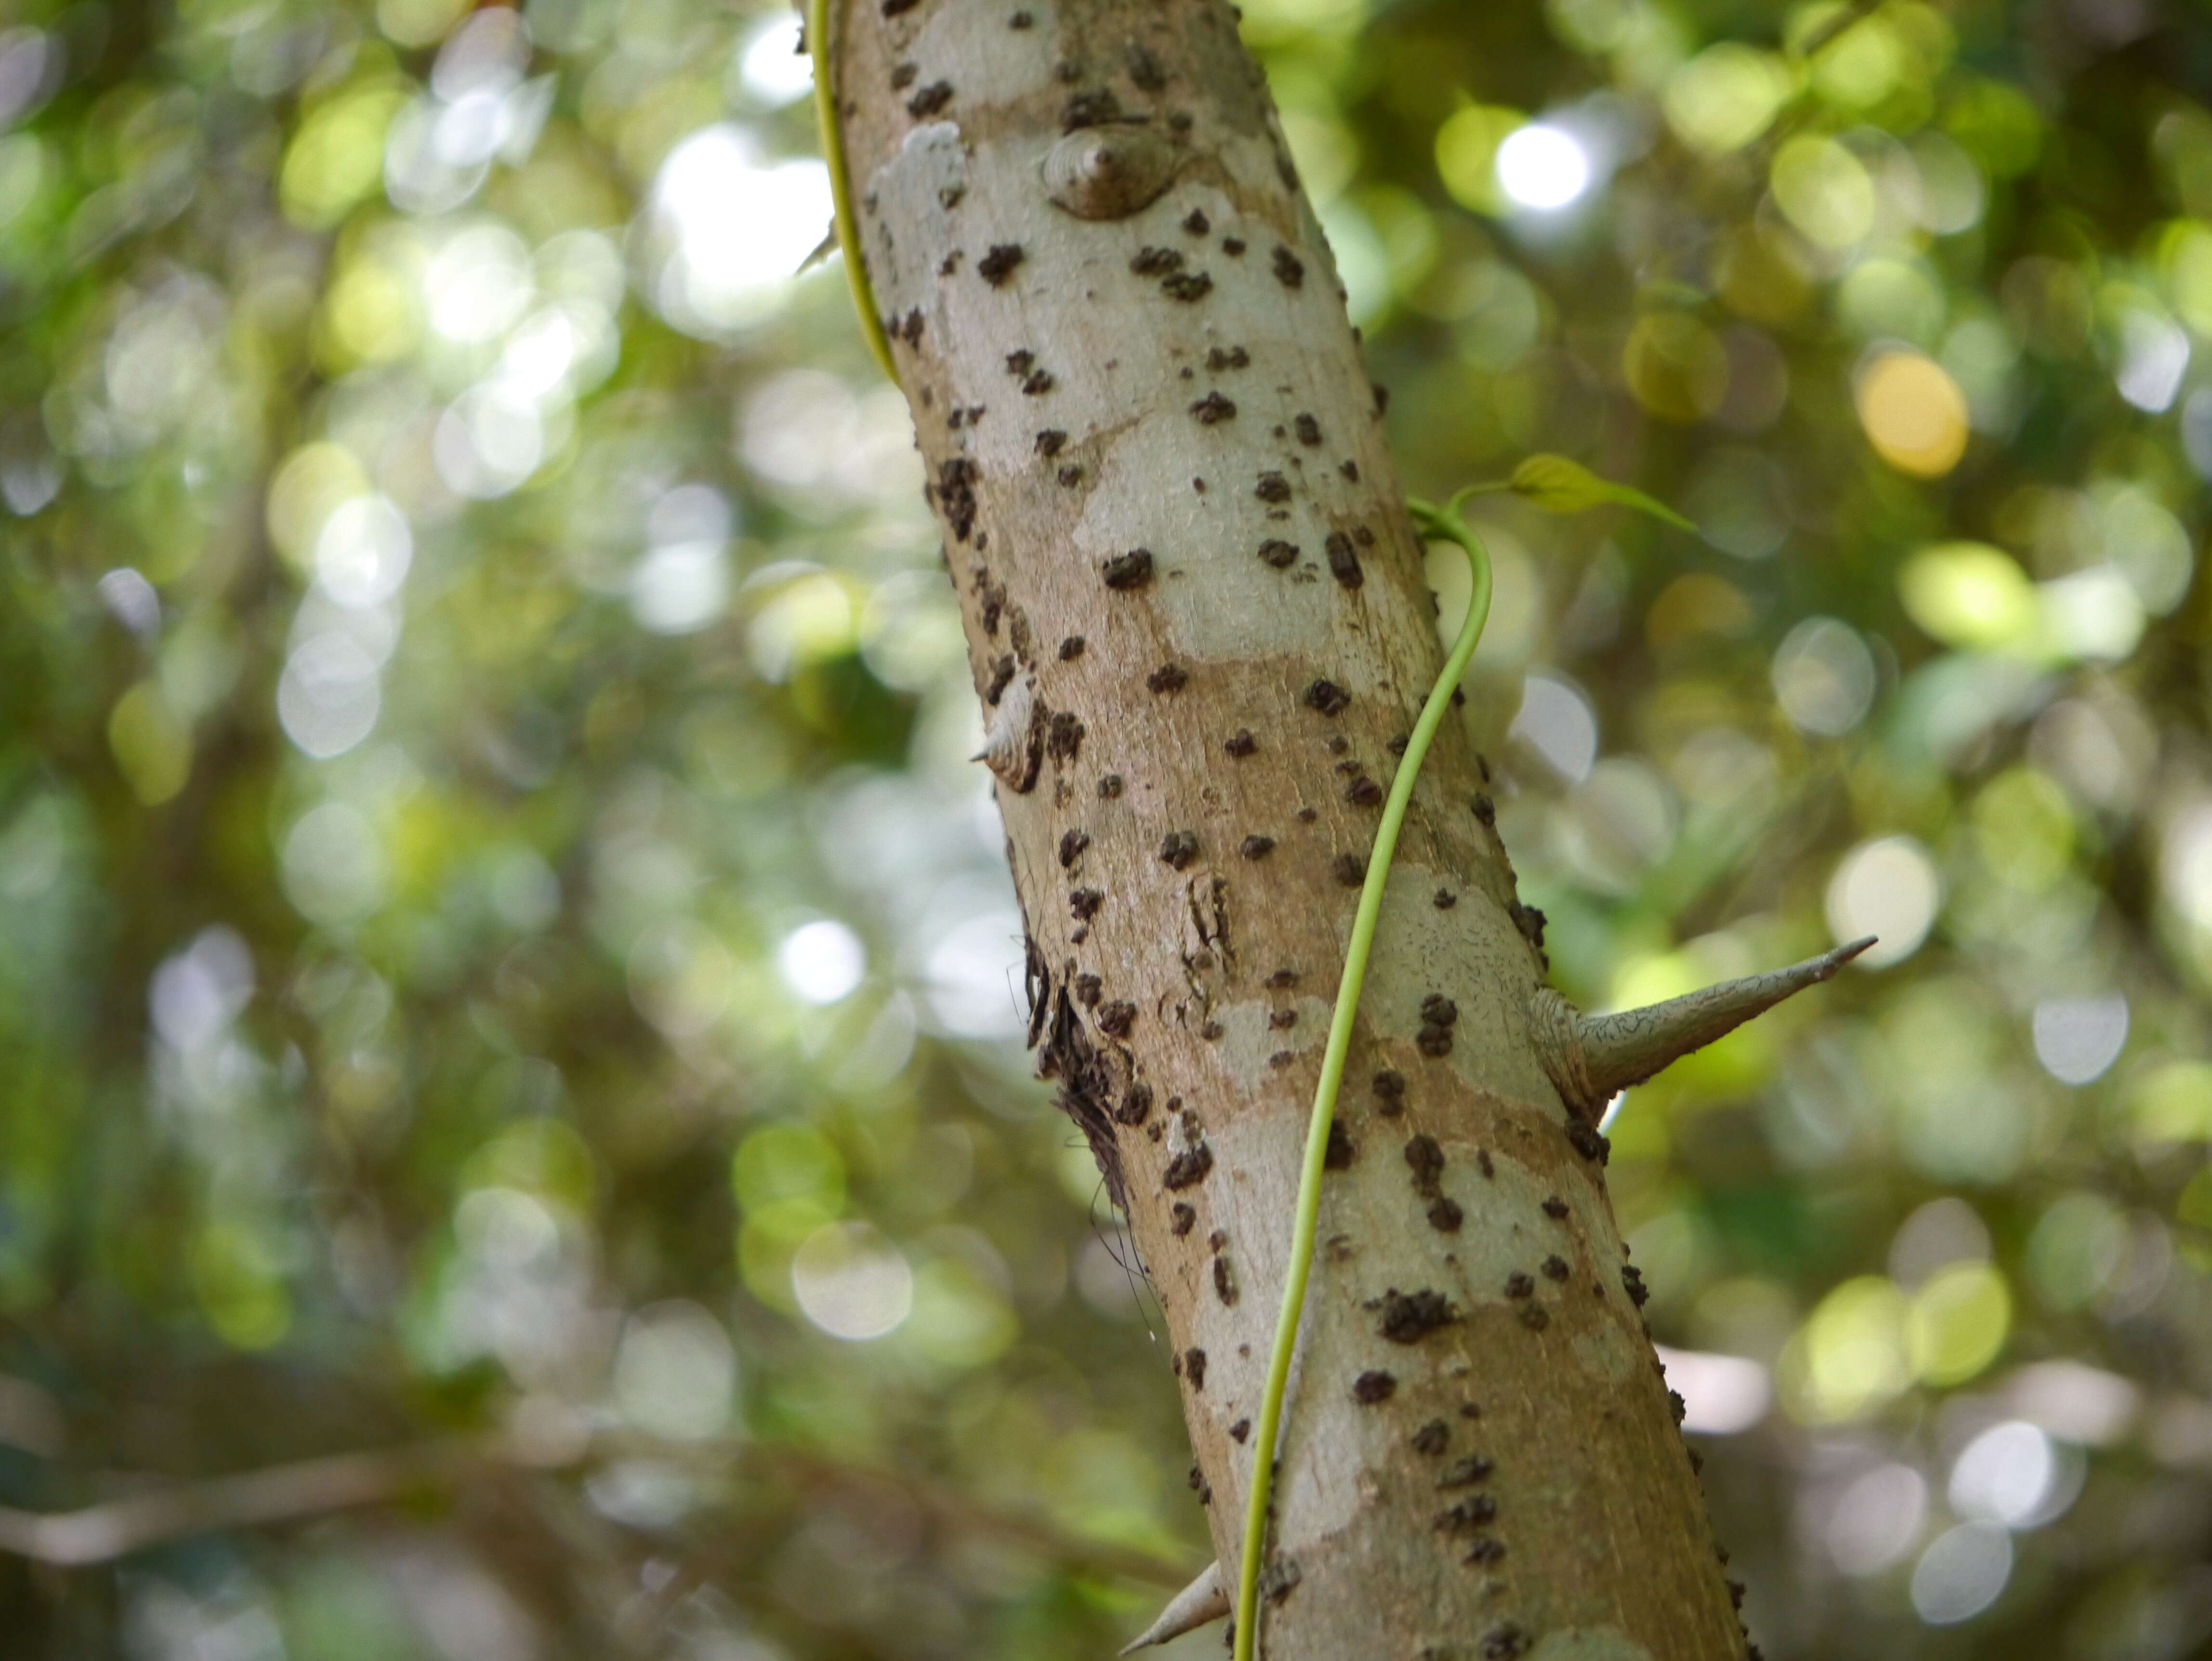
x=1203, y=1600
x=1592, y=1058
x=823, y=250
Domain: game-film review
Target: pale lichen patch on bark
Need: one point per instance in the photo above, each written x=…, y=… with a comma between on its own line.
x=972, y=45
x=1249, y=1042
x=930, y=165
x=1472, y=953
x=1323, y=1480
x=1509, y=1234
x=1605, y=1351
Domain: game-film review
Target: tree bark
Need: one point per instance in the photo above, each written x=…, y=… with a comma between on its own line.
x=1196, y=612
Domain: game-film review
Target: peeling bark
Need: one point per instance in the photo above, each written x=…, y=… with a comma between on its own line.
x=1152, y=447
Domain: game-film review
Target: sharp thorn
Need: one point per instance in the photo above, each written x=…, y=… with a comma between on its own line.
x=1592, y=1057
x=1203, y=1600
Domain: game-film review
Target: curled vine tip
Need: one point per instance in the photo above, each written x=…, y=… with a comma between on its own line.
x=1203, y=1600
x=1592, y=1057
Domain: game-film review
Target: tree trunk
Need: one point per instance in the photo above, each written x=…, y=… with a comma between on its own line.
x=1195, y=608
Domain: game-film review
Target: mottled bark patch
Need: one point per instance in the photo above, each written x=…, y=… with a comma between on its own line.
x=1587, y=1142
x=1408, y=1317
x=1425, y=1158
x=1466, y=1515
x=1131, y=570
x=1343, y=562
x=996, y=266
x=1086, y=1081
x=1327, y=698
x=1189, y=1167
x=1465, y=1473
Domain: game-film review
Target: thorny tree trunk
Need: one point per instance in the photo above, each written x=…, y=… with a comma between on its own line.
x=1195, y=606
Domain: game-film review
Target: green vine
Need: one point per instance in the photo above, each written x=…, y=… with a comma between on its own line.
x=1445, y=525
x=840, y=187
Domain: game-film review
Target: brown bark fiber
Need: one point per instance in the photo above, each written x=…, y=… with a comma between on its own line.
x=1195, y=602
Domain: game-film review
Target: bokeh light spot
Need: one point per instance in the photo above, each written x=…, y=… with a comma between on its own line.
x=1958, y=1323
x=1676, y=367
x=334, y=865
x=1823, y=677
x=1557, y=722
x=2077, y=1039
x=2153, y=358
x=151, y=745
x=241, y=1287
x=1721, y=1395
x=821, y=961
x=1876, y=1519
x=2078, y=1248
x=680, y=587
x=773, y=65
x=1824, y=191
x=851, y=1282
x=1968, y=593
x=1543, y=167
x=2185, y=864
x=2010, y=1474
x=1914, y=414
x=363, y=551
x=1725, y=96
x=676, y=1374
x=1889, y=888
x=735, y=229
x=1962, y=1573
x=1850, y=1357
x=1467, y=149
x=328, y=697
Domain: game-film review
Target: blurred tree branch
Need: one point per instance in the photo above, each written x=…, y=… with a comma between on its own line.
x=304, y=1489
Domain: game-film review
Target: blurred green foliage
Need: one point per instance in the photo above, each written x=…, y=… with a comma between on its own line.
x=505, y=971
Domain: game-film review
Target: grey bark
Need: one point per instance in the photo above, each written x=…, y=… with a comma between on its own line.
x=1195, y=602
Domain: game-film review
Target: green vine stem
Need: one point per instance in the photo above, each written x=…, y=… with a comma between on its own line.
x=840, y=187
x=1442, y=525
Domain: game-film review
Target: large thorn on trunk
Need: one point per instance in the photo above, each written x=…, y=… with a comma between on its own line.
x=1203, y=1600
x=1592, y=1057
